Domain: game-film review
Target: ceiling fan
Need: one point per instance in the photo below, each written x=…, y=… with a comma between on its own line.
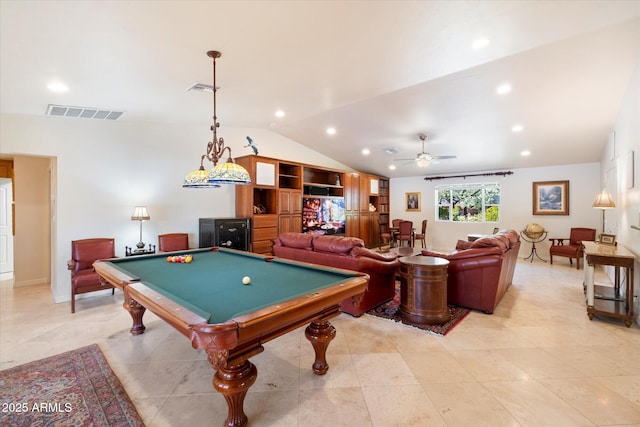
x=423, y=159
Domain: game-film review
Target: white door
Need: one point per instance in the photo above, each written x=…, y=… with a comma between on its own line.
x=6, y=234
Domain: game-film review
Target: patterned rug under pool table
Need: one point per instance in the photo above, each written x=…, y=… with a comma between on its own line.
x=76, y=388
x=389, y=311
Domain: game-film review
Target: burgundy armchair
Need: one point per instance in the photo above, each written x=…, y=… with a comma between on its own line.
x=83, y=277
x=573, y=248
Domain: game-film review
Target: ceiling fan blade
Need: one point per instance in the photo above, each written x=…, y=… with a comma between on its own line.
x=403, y=160
x=444, y=157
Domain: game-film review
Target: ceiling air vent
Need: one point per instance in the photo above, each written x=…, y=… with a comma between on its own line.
x=82, y=112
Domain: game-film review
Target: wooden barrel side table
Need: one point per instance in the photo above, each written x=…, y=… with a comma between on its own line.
x=423, y=290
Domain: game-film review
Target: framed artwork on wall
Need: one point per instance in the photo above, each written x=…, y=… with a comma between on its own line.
x=412, y=202
x=551, y=198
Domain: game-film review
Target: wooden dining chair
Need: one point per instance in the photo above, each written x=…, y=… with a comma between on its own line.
x=395, y=229
x=385, y=234
x=405, y=233
x=173, y=242
x=423, y=234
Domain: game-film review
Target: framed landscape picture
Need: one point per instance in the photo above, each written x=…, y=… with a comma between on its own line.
x=551, y=198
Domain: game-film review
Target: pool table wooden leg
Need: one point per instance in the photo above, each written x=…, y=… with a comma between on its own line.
x=136, y=311
x=320, y=333
x=234, y=382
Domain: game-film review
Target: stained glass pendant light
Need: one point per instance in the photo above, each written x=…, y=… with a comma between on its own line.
x=226, y=172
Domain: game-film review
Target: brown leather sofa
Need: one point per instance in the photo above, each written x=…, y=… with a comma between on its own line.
x=480, y=272
x=348, y=253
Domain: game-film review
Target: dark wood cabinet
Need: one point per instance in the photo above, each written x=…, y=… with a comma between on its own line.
x=290, y=211
x=274, y=199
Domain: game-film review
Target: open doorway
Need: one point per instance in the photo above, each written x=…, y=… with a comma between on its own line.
x=6, y=229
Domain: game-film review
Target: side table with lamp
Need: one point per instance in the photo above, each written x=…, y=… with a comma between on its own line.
x=140, y=213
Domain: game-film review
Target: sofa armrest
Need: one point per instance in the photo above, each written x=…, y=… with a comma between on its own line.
x=372, y=266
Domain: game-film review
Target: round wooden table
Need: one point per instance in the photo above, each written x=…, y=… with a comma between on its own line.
x=423, y=290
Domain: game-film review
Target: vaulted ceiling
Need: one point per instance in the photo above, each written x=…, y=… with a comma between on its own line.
x=379, y=72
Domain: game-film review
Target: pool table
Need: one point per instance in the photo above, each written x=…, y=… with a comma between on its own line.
x=207, y=301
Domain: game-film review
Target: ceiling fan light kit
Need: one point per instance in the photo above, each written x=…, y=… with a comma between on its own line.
x=424, y=159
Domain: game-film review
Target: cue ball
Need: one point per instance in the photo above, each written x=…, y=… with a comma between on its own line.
x=246, y=280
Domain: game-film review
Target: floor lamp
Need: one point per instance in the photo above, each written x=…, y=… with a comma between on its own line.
x=604, y=201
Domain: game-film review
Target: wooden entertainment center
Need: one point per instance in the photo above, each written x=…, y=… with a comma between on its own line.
x=274, y=199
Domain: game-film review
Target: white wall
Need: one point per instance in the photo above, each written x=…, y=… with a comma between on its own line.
x=515, y=206
x=615, y=171
x=103, y=169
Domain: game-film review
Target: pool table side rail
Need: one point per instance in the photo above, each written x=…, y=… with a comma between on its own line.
x=107, y=271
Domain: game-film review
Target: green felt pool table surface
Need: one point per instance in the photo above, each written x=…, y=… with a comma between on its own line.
x=211, y=285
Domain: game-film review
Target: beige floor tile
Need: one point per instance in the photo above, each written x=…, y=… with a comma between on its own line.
x=537, y=363
x=489, y=365
x=531, y=404
x=627, y=386
x=594, y=400
x=382, y=369
x=396, y=406
x=333, y=407
x=437, y=367
x=468, y=404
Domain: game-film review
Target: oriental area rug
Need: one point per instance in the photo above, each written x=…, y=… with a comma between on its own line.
x=76, y=388
x=389, y=311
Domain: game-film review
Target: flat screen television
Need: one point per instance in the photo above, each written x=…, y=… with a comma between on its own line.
x=323, y=215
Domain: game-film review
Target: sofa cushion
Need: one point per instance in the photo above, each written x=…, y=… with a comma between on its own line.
x=488, y=242
x=512, y=235
x=297, y=240
x=335, y=244
x=463, y=244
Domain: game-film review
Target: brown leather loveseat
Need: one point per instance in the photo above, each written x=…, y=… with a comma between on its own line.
x=480, y=272
x=348, y=253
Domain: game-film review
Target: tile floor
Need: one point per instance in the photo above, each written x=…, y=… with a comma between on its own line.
x=537, y=361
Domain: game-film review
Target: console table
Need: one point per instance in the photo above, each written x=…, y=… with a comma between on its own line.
x=423, y=290
x=616, y=301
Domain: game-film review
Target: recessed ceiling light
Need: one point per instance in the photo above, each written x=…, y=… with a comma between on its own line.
x=366, y=151
x=525, y=153
x=392, y=167
x=517, y=128
x=331, y=131
x=504, y=89
x=279, y=113
x=480, y=43
x=57, y=87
